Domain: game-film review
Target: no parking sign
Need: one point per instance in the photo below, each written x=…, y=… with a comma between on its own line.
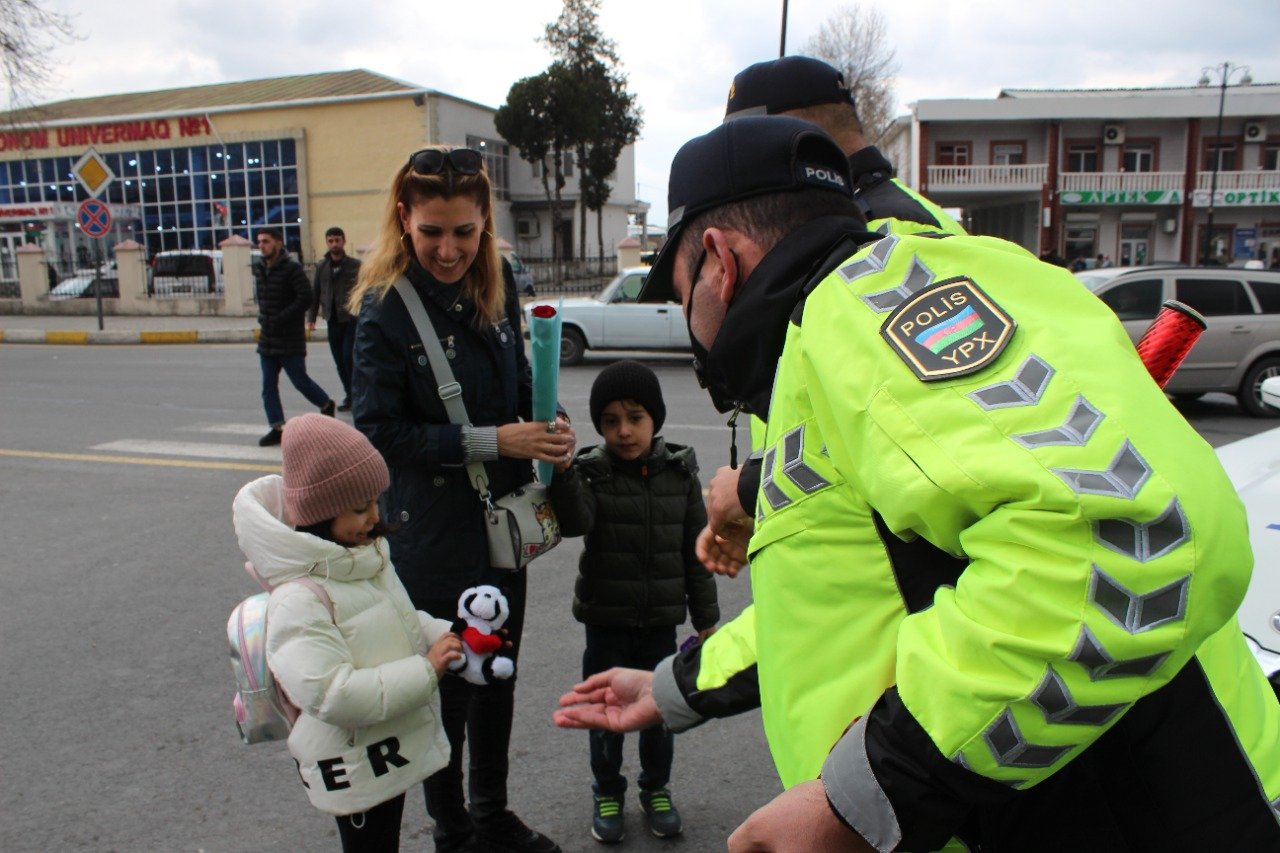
x=94, y=218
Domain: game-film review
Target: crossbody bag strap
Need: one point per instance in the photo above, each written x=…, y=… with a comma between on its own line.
x=446, y=385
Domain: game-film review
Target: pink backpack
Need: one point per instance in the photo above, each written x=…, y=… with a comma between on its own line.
x=263, y=711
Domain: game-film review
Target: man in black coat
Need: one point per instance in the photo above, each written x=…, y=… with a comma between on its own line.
x=284, y=295
x=335, y=276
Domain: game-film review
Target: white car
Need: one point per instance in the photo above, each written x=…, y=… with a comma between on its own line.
x=1253, y=464
x=80, y=285
x=614, y=320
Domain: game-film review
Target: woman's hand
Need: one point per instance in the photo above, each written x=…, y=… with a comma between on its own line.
x=443, y=652
x=533, y=440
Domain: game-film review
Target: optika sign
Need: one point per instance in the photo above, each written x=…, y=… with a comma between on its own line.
x=109, y=133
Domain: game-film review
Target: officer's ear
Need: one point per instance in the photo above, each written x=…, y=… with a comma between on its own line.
x=723, y=266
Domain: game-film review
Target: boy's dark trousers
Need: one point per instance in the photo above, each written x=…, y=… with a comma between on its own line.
x=639, y=648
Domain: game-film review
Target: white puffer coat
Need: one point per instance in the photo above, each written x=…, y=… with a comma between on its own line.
x=370, y=724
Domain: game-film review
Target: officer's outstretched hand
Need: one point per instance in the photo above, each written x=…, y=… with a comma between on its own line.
x=616, y=700
x=723, y=555
x=798, y=820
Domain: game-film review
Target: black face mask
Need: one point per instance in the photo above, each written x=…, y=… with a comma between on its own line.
x=701, y=355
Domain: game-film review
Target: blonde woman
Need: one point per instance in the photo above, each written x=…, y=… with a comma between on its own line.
x=437, y=232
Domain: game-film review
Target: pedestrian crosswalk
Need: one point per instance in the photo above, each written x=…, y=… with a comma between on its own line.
x=239, y=444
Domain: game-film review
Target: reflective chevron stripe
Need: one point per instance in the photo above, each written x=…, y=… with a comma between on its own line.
x=1056, y=703
x=1145, y=540
x=1090, y=654
x=1137, y=612
x=1025, y=388
x=1011, y=749
x=1123, y=478
x=1074, y=432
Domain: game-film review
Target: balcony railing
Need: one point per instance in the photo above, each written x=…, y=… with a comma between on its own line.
x=1256, y=180
x=1114, y=182
x=987, y=177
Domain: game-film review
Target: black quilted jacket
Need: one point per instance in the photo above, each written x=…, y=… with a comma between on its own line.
x=641, y=520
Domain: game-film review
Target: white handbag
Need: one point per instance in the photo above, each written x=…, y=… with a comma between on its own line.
x=521, y=525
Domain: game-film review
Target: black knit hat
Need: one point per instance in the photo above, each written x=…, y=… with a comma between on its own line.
x=627, y=380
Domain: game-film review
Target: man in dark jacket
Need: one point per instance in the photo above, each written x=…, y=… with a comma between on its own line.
x=335, y=276
x=283, y=299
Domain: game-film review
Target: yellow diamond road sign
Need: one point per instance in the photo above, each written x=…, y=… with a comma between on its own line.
x=93, y=173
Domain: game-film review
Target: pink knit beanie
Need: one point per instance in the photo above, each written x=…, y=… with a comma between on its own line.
x=329, y=468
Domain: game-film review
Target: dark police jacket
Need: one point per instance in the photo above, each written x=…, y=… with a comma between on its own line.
x=284, y=295
x=439, y=547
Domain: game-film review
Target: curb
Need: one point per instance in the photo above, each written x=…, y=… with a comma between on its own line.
x=169, y=336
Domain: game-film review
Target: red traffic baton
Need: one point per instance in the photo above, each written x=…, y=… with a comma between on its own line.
x=1168, y=339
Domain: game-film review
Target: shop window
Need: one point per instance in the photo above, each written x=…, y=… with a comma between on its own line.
x=1081, y=158
x=1139, y=157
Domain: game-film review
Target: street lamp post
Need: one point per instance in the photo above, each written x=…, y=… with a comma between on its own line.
x=1225, y=72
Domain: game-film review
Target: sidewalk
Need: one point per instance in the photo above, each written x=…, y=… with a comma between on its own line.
x=151, y=329
x=83, y=329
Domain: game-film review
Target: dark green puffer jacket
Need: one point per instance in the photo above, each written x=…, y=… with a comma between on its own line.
x=641, y=520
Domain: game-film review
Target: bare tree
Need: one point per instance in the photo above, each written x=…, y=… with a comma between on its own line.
x=854, y=40
x=28, y=34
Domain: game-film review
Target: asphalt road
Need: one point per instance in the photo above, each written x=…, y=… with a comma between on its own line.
x=117, y=470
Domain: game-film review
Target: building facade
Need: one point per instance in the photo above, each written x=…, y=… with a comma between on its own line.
x=187, y=168
x=1134, y=175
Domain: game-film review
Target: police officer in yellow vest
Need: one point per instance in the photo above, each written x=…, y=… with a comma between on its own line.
x=995, y=572
x=810, y=89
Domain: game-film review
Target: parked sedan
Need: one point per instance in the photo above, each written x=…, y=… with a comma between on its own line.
x=80, y=285
x=614, y=320
x=1241, y=346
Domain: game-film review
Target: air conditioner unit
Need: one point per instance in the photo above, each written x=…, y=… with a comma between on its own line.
x=526, y=229
x=1255, y=131
x=1113, y=134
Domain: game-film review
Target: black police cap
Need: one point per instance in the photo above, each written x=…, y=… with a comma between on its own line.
x=785, y=84
x=739, y=159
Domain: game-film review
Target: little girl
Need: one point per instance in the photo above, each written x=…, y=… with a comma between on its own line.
x=364, y=676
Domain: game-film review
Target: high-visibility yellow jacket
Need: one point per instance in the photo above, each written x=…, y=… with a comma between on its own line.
x=984, y=539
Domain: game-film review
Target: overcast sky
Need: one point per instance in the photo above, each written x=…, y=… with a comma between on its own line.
x=680, y=55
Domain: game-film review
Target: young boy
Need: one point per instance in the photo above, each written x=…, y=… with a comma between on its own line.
x=638, y=501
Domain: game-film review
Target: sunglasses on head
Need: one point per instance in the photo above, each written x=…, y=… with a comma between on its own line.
x=433, y=161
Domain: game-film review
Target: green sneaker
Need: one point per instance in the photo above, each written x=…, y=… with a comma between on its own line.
x=606, y=822
x=664, y=820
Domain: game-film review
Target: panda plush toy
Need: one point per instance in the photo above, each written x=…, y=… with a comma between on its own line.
x=482, y=610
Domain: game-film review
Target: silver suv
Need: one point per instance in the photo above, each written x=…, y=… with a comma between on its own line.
x=1241, y=346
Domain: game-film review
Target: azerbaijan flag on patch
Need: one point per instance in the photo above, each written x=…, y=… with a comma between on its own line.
x=963, y=324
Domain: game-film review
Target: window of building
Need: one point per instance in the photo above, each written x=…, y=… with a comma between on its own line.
x=1139, y=157
x=1224, y=152
x=1008, y=153
x=1081, y=157
x=953, y=153
x=496, y=159
x=566, y=164
x=1271, y=156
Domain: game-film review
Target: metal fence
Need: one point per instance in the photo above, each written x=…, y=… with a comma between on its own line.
x=581, y=275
